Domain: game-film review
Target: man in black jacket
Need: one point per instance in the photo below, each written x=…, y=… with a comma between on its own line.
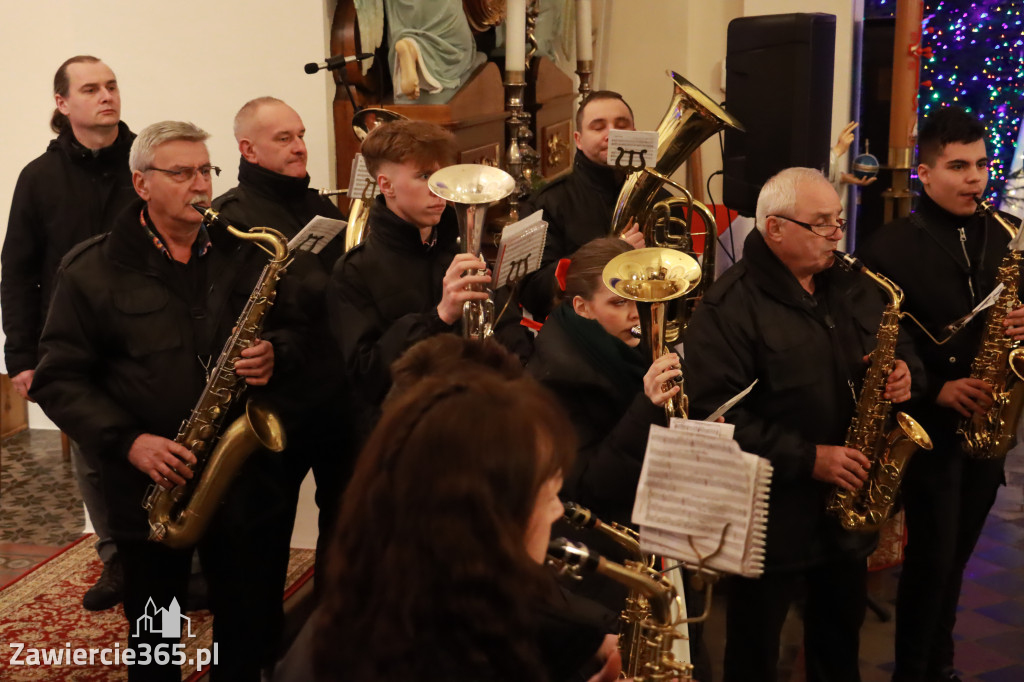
x=578, y=206
x=408, y=280
x=138, y=318
x=70, y=193
x=785, y=316
x=273, y=191
x=945, y=258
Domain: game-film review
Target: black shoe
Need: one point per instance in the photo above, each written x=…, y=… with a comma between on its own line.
x=108, y=591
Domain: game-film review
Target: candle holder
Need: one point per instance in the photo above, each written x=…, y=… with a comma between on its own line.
x=521, y=157
x=585, y=70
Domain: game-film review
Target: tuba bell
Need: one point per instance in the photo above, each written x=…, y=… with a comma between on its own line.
x=652, y=277
x=472, y=189
x=692, y=118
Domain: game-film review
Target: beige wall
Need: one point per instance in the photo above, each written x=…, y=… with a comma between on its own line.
x=191, y=60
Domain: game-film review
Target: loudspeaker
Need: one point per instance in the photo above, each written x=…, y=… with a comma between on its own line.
x=778, y=83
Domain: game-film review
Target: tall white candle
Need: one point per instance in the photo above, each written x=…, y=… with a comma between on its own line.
x=584, y=46
x=515, y=35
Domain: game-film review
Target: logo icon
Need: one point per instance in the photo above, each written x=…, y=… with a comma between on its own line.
x=164, y=622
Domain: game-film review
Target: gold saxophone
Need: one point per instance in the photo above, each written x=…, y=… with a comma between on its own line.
x=868, y=508
x=656, y=632
x=636, y=610
x=179, y=516
x=999, y=362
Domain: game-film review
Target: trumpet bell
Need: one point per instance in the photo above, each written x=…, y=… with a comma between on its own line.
x=651, y=275
x=472, y=188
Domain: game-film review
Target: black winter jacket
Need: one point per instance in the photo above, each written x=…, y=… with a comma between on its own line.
x=757, y=322
x=312, y=396
x=384, y=293
x=924, y=255
x=611, y=444
x=62, y=198
x=124, y=346
x=578, y=208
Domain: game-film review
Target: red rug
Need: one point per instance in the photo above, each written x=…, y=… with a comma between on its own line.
x=43, y=611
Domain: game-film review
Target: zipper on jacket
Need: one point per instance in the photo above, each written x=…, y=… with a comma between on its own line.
x=963, y=247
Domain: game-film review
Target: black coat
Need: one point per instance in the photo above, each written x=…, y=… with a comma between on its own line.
x=611, y=443
x=578, y=208
x=62, y=198
x=122, y=350
x=923, y=255
x=314, y=394
x=757, y=322
x=383, y=296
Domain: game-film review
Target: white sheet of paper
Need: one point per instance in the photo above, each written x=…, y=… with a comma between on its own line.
x=520, y=249
x=704, y=428
x=361, y=184
x=727, y=405
x=316, y=234
x=632, y=149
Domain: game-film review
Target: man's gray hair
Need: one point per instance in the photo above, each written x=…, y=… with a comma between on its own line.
x=778, y=195
x=144, y=148
x=248, y=111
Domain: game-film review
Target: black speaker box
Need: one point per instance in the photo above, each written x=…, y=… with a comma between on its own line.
x=778, y=83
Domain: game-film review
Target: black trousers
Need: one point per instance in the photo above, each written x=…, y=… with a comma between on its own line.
x=244, y=556
x=947, y=497
x=836, y=596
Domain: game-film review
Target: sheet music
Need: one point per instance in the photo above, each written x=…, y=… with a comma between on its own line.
x=632, y=149
x=520, y=249
x=692, y=484
x=361, y=184
x=703, y=428
x=728, y=404
x=316, y=234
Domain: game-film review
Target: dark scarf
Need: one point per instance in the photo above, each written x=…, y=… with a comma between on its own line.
x=623, y=366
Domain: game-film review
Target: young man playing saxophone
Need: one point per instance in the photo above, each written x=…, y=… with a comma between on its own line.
x=945, y=257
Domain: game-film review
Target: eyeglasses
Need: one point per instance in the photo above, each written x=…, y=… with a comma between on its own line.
x=188, y=174
x=820, y=230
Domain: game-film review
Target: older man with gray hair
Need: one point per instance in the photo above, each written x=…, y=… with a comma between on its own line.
x=138, y=316
x=787, y=317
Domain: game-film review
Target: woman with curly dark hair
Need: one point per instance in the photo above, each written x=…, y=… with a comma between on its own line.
x=435, y=571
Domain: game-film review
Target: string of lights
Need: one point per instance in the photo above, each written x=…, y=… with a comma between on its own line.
x=976, y=62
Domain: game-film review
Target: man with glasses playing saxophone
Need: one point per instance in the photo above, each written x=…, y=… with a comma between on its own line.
x=787, y=317
x=138, y=317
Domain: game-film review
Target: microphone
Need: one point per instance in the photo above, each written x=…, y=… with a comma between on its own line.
x=337, y=61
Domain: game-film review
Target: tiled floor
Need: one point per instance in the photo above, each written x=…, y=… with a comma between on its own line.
x=40, y=507
x=41, y=511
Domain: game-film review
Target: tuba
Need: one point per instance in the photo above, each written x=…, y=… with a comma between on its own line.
x=656, y=631
x=869, y=507
x=692, y=118
x=652, y=277
x=179, y=516
x=472, y=189
x=1000, y=362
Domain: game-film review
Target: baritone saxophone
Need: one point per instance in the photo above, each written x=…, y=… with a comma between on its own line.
x=867, y=508
x=179, y=516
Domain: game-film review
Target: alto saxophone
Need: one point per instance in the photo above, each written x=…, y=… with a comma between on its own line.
x=867, y=508
x=999, y=362
x=179, y=516
x=657, y=631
